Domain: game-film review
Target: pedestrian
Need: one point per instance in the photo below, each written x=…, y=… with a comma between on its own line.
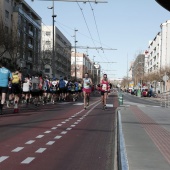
x=104, y=84
x=87, y=83
x=5, y=75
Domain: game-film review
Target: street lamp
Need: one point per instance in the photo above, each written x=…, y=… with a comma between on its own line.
x=75, y=53
x=53, y=63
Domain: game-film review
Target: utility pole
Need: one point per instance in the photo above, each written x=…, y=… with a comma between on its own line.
x=75, y=53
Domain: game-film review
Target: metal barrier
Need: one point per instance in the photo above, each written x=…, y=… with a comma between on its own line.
x=165, y=99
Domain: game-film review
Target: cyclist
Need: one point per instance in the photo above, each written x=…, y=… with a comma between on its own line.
x=5, y=75
x=87, y=83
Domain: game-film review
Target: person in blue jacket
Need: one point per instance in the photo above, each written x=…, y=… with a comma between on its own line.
x=5, y=75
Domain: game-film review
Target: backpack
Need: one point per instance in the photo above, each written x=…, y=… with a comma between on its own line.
x=62, y=84
x=45, y=85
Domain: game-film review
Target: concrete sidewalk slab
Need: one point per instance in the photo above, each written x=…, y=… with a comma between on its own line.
x=143, y=153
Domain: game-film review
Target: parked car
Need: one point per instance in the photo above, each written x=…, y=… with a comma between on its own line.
x=145, y=93
x=134, y=92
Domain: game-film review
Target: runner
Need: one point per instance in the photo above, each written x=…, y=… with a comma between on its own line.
x=87, y=82
x=26, y=89
x=62, y=87
x=5, y=75
x=104, y=90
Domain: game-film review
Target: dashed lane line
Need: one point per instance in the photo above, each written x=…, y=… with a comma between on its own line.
x=57, y=137
x=48, y=131
x=40, y=150
x=50, y=143
x=68, y=128
x=40, y=136
x=63, y=133
x=30, y=142
x=3, y=158
x=28, y=160
x=17, y=149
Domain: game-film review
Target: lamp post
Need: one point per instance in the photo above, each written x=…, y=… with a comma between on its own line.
x=75, y=53
x=53, y=54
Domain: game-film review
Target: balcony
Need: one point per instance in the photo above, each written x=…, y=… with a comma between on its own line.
x=30, y=58
x=31, y=33
x=30, y=46
x=34, y=22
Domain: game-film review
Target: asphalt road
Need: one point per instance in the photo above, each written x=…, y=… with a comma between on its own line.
x=140, y=100
x=62, y=136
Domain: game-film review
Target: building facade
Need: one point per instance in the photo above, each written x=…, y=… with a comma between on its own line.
x=153, y=55
x=62, y=53
x=84, y=65
x=23, y=23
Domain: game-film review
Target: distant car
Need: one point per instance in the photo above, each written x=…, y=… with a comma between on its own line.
x=134, y=92
x=145, y=93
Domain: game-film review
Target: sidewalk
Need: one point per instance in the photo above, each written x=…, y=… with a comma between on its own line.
x=146, y=132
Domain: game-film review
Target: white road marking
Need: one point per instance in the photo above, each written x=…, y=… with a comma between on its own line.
x=68, y=128
x=63, y=122
x=28, y=160
x=73, y=116
x=76, y=123
x=2, y=158
x=54, y=128
x=40, y=136
x=72, y=125
x=64, y=132
x=78, y=120
x=50, y=143
x=70, y=118
x=30, y=142
x=17, y=149
x=58, y=137
x=40, y=150
x=78, y=104
x=109, y=105
x=47, y=131
x=59, y=125
x=67, y=120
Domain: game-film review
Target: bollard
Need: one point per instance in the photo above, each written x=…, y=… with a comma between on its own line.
x=120, y=97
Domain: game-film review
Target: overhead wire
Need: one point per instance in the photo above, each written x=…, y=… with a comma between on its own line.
x=88, y=27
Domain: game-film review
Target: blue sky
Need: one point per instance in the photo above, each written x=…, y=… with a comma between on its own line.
x=125, y=25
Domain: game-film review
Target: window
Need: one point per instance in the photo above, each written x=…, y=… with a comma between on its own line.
x=48, y=42
x=6, y=14
x=7, y=1
x=47, y=70
x=48, y=33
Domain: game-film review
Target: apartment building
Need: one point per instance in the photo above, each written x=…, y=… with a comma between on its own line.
x=153, y=55
x=62, y=53
x=85, y=65
x=18, y=17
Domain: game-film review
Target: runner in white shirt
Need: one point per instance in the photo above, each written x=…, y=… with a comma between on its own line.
x=26, y=89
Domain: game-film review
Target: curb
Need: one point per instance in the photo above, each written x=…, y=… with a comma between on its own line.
x=121, y=154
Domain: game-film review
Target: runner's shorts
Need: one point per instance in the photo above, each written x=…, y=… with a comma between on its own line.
x=3, y=89
x=87, y=90
x=16, y=89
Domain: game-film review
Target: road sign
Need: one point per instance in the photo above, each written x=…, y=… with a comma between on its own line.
x=165, y=78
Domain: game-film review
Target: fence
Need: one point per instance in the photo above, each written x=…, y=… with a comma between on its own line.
x=165, y=99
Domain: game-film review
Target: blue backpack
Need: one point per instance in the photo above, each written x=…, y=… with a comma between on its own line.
x=62, y=84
